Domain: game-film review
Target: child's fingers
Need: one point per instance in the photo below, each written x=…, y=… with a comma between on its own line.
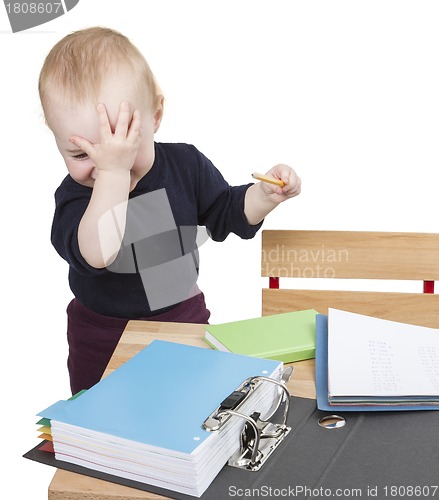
x=104, y=121
x=281, y=172
x=123, y=120
x=293, y=187
x=292, y=183
x=82, y=144
x=135, y=128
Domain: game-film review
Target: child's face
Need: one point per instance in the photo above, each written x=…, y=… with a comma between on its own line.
x=66, y=119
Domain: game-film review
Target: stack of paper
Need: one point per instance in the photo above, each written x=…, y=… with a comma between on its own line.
x=286, y=337
x=377, y=363
x=46, y=429
x=144, y=421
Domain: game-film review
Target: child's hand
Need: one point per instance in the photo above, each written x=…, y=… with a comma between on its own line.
x=115, y=151
x=263, y=197
x=292, y=183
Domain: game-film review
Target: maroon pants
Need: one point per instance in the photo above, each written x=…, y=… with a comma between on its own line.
x=93, y=337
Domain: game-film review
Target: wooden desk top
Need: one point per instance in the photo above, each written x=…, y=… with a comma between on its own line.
x=138, y=334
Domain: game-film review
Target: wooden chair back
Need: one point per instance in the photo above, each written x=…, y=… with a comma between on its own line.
x=352, y=255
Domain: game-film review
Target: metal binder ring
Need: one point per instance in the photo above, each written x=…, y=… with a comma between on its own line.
x=287, y=396
x=220, y=416
x=255, y=428
x=264, y=435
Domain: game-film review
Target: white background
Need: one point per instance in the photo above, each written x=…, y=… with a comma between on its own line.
x=344, y=91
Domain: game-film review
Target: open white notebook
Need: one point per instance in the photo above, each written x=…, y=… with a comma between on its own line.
x=372, y=360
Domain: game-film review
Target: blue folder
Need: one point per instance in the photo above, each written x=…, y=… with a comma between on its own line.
x=161, y=396
x=322, y=378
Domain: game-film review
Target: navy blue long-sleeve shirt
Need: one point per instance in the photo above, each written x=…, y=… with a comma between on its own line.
x=198, y=195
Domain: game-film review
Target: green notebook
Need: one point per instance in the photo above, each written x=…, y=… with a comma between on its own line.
x=284, y=337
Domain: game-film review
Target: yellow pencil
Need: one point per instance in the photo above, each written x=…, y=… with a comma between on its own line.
x=270, y=180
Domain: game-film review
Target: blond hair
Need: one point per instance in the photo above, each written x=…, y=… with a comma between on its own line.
x=79, y=64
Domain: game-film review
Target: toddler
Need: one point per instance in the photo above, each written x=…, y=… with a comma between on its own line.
x=127, y=213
